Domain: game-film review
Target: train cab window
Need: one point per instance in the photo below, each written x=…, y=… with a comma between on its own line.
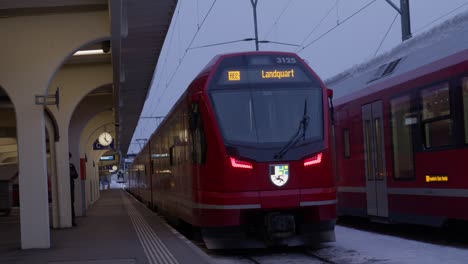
x=465, y=106
x=436, y=118
x=347, y=152
x=403, y=122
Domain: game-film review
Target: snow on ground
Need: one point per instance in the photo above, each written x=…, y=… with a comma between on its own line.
x=357, y=247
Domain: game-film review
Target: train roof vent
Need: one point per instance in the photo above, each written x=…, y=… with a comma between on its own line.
x=385, y=70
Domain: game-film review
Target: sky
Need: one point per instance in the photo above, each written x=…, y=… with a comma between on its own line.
x=332, y=36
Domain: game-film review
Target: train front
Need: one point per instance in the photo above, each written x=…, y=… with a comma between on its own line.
x=268, y=177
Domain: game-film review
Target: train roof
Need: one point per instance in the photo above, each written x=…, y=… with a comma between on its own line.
x=444, y=40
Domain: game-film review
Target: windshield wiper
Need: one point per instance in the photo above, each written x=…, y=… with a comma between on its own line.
x=297, y=136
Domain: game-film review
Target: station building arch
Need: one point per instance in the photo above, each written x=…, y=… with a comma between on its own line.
x=9, y=156
x=87, y=113
x=29, y=70
x=75, y=81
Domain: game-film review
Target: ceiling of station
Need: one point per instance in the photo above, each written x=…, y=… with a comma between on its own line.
x=10, y=8
x=138, y=30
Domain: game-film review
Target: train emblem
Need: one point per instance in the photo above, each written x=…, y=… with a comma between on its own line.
x=279, y=174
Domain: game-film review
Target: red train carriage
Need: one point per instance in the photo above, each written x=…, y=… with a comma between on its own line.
x=402, y=131
x=245, y=154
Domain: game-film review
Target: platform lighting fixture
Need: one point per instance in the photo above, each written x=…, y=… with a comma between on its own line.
x=89, y=52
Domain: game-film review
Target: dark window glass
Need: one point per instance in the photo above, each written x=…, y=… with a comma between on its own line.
x=465, y=106
x=199, y=146
x=369, y=150
x=436, y=119
x=379, y=148
x=347, y=152
x=268, y=116
x=435, y=101
x=403, y=121
x=438, y=133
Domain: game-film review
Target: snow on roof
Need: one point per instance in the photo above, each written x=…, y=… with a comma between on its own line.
x=450, y=28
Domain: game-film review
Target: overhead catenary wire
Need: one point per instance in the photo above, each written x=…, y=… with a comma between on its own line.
x=187, y=49
x=198, y=14
x=171, y=37
x=317, y=26
x=176, y=23
x=337, y=13
x=277, y=19
x=439, y=18
x=221, y=43
x=182, y=58
x=386, y=34
x=333, y=28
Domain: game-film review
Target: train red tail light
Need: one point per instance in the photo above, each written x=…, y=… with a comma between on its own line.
x=317, y=159
x=235, y=163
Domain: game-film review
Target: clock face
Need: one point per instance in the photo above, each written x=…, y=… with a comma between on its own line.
x=114, y=168
x=105, y=139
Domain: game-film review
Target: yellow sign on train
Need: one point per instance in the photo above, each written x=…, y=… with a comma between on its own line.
x=436, y=178
x=234, y=75
x=278, y=74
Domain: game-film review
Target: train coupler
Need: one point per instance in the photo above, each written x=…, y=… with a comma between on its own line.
x=280, y=225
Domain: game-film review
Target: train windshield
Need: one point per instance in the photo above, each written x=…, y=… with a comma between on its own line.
x=268, y=116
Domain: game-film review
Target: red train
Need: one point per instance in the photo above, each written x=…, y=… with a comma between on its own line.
x=402, y=131
x=245, y=154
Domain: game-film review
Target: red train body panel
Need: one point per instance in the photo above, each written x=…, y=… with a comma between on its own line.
x=209, y=165
x=402, y=132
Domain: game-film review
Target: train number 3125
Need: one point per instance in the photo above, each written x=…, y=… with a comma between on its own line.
x=286, y=60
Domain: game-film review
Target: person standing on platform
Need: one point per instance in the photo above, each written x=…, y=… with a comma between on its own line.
x=73, y=176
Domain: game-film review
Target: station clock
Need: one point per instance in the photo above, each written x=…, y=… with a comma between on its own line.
x=105, y=139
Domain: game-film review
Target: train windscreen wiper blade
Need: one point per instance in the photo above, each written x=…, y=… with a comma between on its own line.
x=303, y=124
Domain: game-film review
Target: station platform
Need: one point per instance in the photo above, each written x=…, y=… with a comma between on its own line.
x=116, y=230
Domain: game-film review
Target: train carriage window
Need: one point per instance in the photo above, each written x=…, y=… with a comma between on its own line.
x=436, y=118
x=465, y=106
x=435, y=101
x=347, y=152
x=403, y=120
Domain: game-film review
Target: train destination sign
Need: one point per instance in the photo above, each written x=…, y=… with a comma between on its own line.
x=262, y=75
x=265, y=74
x=262, y=69
x=277, y=74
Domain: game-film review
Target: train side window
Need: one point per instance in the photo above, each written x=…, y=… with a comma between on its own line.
x=198, y=135
x=403, y=120
x=347, y=152
x=436, y=118
x=465, y=106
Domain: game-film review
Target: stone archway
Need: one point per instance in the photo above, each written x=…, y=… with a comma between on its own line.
x=98, y=102
x=27, y=69
x=9, y=188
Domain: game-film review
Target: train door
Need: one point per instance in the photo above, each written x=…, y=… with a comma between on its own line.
x=376, y=180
